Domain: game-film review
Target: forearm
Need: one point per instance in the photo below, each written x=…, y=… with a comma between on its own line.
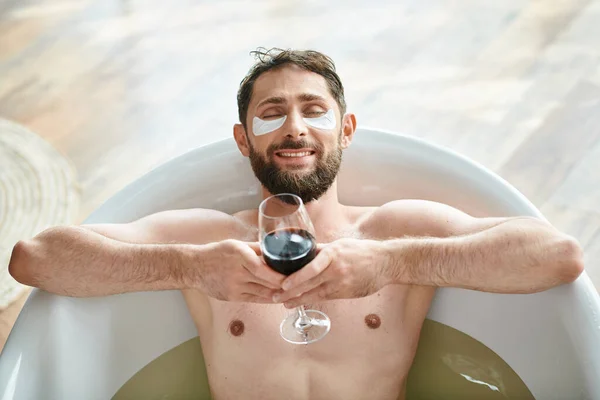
x=78, y=262
x=518, y=256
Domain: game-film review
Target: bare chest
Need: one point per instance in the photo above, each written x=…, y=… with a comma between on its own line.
x=370, y=325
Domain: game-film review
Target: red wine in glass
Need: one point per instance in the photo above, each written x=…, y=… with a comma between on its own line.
x=287, y=250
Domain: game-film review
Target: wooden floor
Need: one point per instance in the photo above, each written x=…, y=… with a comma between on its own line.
x=121, y=86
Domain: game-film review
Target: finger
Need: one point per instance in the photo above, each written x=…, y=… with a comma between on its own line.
x=265, y=273
x=316, y=295
x=262, y=282
x=251, y=277
x=259, y=290
x=261, y=272
x=304, y=287
x=312, y=269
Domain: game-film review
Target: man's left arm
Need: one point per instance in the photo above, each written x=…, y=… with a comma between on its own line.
x=503, y=255
x=447, y=248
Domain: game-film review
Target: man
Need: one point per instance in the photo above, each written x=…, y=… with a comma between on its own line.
x=374, y=276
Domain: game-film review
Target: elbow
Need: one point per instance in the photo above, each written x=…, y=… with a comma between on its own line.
x=19, y=266
x=571, y=264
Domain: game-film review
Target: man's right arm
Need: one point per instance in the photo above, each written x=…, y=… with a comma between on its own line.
x=169, y=250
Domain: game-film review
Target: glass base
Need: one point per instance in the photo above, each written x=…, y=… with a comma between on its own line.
x=293, y=331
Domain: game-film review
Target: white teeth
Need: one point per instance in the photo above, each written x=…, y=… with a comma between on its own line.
x=303, y=154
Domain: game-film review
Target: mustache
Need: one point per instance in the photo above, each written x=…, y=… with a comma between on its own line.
x=293, y=145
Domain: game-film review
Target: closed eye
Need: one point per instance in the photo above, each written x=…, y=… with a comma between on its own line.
x=272, y=116
x=314, y=113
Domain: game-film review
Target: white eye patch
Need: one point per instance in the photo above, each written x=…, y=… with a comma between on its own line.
x=261, y=127
x=325, y=121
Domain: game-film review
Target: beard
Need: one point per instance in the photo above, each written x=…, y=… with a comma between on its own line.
x=308, y=186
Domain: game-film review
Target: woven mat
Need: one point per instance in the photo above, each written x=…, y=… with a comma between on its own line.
x=38, y=189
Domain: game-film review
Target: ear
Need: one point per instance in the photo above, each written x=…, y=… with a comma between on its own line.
x=348, y=129
x=239, y=134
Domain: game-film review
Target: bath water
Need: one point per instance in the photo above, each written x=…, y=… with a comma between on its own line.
x=448, y=365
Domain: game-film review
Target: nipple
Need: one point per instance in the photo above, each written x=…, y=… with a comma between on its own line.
x=236, y=327
x=373, y=321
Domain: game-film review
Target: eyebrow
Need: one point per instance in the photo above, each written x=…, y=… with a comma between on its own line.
x=310, y=97
x=304, y=97
x=272, y=100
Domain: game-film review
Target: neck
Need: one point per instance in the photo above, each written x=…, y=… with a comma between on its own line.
x=326, y=212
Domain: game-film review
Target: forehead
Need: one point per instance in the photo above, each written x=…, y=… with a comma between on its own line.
x=289, y=81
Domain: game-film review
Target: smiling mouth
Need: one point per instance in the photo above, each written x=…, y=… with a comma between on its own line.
x=294, y=154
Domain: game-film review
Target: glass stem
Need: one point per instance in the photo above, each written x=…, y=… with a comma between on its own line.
x=301, y=313
x=303, y=320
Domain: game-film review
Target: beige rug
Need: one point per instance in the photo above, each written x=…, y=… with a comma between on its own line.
x=38, y=189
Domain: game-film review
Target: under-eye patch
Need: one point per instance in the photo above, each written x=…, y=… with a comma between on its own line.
x=261, y=127
x=325, y=121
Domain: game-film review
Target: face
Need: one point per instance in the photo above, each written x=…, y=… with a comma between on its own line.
x=298, y=156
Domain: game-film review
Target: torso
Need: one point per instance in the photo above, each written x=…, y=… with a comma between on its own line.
x=367, y=353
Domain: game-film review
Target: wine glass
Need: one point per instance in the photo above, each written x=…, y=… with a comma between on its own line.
x=287, y=241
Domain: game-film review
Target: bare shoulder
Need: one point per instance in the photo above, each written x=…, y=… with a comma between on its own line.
x=414, y=217
x=248, y=217
x=194, y=226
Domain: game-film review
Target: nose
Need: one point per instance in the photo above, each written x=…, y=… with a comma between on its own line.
x=296, y=128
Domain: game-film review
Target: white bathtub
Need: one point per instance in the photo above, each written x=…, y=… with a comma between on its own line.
x=67, y=348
